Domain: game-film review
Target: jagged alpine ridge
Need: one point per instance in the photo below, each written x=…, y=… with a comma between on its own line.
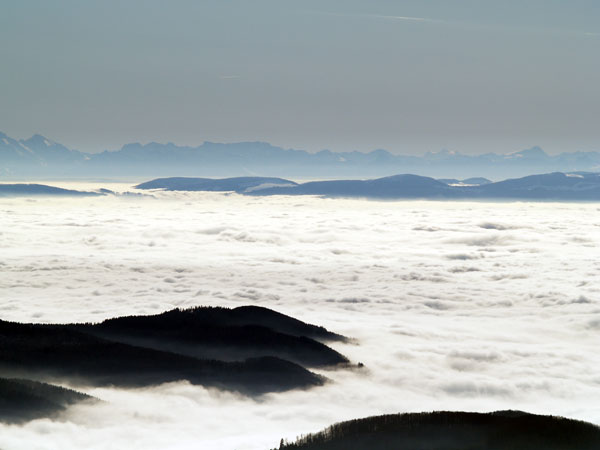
x=39, y=156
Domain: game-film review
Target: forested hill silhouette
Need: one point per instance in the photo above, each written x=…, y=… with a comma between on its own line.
x=257, y=315
x=251, y=349
x=24, y=400
x=224, y=334
x=444, y=430
x=60, y=353
x=576, y=186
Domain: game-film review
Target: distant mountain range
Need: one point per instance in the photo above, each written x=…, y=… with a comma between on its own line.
x=40, y=157
x=575, y=186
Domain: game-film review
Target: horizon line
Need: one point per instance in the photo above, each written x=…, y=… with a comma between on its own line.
x=170, y=143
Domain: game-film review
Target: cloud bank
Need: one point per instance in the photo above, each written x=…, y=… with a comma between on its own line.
x=470, y=306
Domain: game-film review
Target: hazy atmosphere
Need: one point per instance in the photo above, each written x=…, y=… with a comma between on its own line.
x=408, y=76
x=299, y=225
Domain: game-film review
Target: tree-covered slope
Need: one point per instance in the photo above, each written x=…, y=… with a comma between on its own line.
x=22, y=400
x=445, y=430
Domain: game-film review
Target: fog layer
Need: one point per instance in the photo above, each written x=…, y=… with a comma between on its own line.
x=454, y=305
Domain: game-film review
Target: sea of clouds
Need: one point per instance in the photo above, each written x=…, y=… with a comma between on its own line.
x=453, y=305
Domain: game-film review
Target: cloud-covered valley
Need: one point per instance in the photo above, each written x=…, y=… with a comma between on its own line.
x=453, y=305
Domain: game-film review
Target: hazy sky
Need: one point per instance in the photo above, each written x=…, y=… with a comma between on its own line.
x=409, y=76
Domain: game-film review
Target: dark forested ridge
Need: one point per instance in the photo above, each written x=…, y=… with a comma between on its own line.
x=252, y=350
x=24, y=400
x=240, y=316
x=445, y=430
x=53, y=352
x=224, y=334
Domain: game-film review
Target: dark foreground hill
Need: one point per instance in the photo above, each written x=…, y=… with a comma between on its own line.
x=501, y=430
x=24, y=400
x=579, y=186
x=51, y=352
x=224, y=334
x=251, y=350
x=256, y=315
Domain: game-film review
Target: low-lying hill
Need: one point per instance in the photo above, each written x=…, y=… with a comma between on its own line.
x=397, y=186
x=251, y=349
x=445, y=430
x=20, y=190
x=239, y=184
x=224, y=334
x=62, y=353
x=549, y=186
x=23, y=400
x=578, y=186
x=257, y=315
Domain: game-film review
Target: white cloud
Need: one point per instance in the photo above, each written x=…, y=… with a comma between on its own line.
x=462, y=317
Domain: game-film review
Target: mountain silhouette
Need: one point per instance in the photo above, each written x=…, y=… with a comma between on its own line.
x=447, y=430
x=576, y=186
x=251, y=349
x=25, y=190
x=39, y=156
x=239, y=184
x=23, y=400
x=224, y=334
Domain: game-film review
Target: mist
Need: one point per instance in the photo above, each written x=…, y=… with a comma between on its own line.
x=453, y=305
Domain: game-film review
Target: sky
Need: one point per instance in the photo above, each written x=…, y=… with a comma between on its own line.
x=409, y=76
